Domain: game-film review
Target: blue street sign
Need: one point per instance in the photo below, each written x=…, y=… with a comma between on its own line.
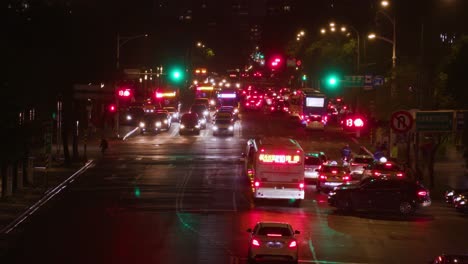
x=378, y=80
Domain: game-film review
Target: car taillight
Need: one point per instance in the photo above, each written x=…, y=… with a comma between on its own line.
x=257, y=184
x=376, y=173
x=301, y=185
x=323, y=177
x=255, y=242
x=320, y=167
x=293, y=244
x=422, y=193
x=399, y=174
x=247, y=104
x=272, y=108
x=346, y=178
x=354, y=164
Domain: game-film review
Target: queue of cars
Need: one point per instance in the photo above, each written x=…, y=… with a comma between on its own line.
x=458, y=198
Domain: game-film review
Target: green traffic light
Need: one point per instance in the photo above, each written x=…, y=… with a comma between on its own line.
x=304, y=77
x=332, y=81
x=176, y=75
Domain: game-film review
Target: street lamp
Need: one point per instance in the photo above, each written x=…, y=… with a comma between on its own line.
x=392, y=42
x=385, y=4
x=122, y=41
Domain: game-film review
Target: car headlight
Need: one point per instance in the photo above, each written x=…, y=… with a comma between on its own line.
x=331, y=193
x=451, y=193
x=231, y=128
x=197, y=126
x=158, y=124
x=165, y=121
x=215, y=127
x=463, y=202
x=175, y=115
x=236, y=110
x=457, y=199
x=203, y=121
x=129, y=117
x=182, y=126
x=212, y=102
x=142, y=124
x=205, y=113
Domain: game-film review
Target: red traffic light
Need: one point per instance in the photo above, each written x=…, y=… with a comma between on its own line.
x=275, y=62
x=355, y=122
x=358, y=122
x=124, y=92
x=112, y=108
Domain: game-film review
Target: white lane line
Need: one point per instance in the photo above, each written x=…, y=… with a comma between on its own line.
x=130, y=133
x=138, y=158
x=49, y=195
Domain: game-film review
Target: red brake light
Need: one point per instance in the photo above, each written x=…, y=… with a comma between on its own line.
x=422, y=193
x=293, y=244
x=334, y=171
x=320, y=167
x=376, y=173
x=255, y=243
x=346, y=178
x=388, y=164
x=301, y=185
x=256, y=184
x=274, y=235
x=399, y=174
x=323, y=177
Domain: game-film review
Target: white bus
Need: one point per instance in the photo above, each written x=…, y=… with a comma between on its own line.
x=275, y=167
x=310, y=106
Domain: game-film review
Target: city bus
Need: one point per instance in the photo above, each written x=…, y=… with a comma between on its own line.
x=311, y=106
x=275, y=168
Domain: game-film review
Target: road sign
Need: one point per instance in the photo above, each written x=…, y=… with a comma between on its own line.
x=378, y=80
x=434, y=121
x=353, y=81
x=401, y=121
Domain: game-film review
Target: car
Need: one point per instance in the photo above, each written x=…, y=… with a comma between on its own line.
x=173, y=112
x=452, y=193
x=279, y=106
x=312, y=164
x=460, y=202
x=223, y=125
x=450, y=259
x=387, y=169
x=273, y=241
x=189, y=123
x=332, y=175
x=148, y=123
x=201, y=110
x=381, y=194
x=202, y=101
x=229, y=109
x=163, y=120
x=358, y=162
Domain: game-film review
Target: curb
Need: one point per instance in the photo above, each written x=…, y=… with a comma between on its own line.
x=47, y=196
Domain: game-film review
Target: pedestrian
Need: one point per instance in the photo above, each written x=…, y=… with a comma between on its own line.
x=346, y=153
x=104, y=145
x=394, y=151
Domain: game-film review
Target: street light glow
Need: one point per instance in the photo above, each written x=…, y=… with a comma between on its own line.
x=332, y=29
x=332, y=24
x=199, y=44
x=371, y=36
x=343, y=29
x=302, y=33
x=323, y=31
x=384, y=3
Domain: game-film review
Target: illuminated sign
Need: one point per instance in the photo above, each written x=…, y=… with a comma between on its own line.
x=230, y=95
x=315, y=102
x=205, y=88
x=270, y=158
x=161, y=95
x=124, y=92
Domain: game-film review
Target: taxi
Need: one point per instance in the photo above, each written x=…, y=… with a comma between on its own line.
x=332, y=175
x=384, y=169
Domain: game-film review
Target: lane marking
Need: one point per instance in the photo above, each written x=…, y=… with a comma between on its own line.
x=49, y=195
x=130, y=133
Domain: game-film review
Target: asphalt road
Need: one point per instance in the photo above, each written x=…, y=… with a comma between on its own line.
x=167, y=198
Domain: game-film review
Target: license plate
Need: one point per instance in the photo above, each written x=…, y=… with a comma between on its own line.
x=275, y=244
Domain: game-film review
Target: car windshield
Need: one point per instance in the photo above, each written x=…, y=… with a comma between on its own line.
x=222, y=121
x=273, y=230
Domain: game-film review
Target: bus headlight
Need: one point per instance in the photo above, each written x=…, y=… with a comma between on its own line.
x=165, y=121
x=212, y=102
x=203, y=121
x=205, y=113
x=182, y=126
x=158, y=124
x=231, y=128
x=215, y=128
x=236, y=110
x=142, y=124
x=197, y=126
x=129, y=117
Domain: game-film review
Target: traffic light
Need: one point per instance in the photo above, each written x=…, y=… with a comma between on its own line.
x=112, y=108
x=332, y=81
x=124, y=93
x=275, y=62
x=354, y=122
x=304, y=77
x=176, y=75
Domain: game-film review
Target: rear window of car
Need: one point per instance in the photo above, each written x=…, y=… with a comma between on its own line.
x=363, y=160
x=334, y=168
x=312, y=160
x=387, y=167
x=273, y=230
x=196, y=108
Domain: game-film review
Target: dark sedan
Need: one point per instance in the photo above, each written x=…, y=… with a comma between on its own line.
x=189, y=123
x=377, y=194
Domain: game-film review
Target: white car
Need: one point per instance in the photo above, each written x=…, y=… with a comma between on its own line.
x=273, y=241
x=358, y=162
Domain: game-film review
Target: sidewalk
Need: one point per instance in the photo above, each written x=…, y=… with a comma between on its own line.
x=13, y=208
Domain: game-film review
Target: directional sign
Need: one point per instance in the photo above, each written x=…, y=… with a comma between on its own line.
x=353, y=81
x=401, y=121
x=378, y=81
x=434, y=121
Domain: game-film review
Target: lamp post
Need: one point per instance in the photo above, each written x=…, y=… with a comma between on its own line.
x=385, y=4
x=122, y=41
